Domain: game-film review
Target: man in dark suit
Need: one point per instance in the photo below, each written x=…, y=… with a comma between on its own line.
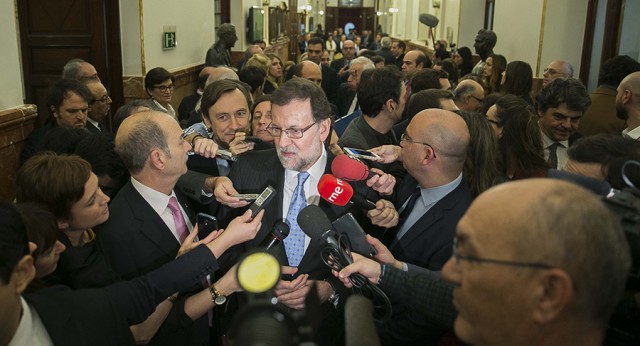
x=300, y=126
x=188, y=103
x=99, y=108
x=347, y=101
x=397, y=49
x=341, y=66
x=385, y=51
x=149, y=217
x=430, y=201
x=330, y=81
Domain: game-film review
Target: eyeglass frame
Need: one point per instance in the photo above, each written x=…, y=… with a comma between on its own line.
x=480, y=101
x=103, y=99
x=405, y=137
x=495, y=122
x=457, y=256
x=288, y=132
x=164, y=88
x=553, y=72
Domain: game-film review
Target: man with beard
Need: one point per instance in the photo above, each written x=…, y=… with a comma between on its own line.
x=628, y=105
x=560, y=104
x=300, y=125
x=484, y=43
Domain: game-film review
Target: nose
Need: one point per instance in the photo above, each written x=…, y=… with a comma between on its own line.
x=233, y=124
x=105, y=198
x=450, y=272
x=109, y=100
x=566, y=123
x=283, y=140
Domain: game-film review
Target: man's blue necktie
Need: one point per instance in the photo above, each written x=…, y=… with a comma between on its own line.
x=294, y=243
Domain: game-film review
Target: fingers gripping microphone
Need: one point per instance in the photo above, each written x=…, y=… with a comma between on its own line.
x=277, y=235
x=315, y=224
x=339, y=192
x=344, y=167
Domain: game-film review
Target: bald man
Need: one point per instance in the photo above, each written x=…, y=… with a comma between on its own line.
x=308, y=70
x=430, y=200
x=539, y=269
x=628, y=104
x=469, y=96
x=557, y=69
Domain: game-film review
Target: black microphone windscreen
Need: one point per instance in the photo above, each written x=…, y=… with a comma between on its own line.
x=359, y=325
x=428, y=20
x=313, y=221
x=281, y=230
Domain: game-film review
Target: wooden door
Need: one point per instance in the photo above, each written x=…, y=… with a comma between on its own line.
x=53, y=32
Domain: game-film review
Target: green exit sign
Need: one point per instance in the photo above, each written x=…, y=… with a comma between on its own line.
x=169, y=38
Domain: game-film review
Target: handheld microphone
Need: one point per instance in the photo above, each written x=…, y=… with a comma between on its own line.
x=226, y=154
x=279, y=232
x=344, y=167
x=339, y=192
x=315, y=224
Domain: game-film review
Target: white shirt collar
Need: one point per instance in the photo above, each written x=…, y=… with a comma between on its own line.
x=633, y=134
x=546, y=141
x=30, y=330
x=156, y=199
x=95, y=123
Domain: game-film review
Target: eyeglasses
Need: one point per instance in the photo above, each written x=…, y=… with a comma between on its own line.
x=164, y=88
x=553, y=72
x=405, y=137
x=104, y=99
x=291, y=133
x=480, y=101
x=459, y=257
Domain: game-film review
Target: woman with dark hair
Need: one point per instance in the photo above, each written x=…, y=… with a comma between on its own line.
x=517, y=79
x=159, y=84
x=464, y=59
x=451, y=68
x=481, y=165
x=492, y=73
x=519, y=138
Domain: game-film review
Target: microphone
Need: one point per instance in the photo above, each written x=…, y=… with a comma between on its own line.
x=339, y=192
x=358, y=322
x=315, y=224
x=429, y=20
x=226, y=154
x=278, y=233
x=344, y=167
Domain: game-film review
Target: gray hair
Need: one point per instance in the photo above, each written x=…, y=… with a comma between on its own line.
x=366, y=63
x=385, y=42
x=71, y=69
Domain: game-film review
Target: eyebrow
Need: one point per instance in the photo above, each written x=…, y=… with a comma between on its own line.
x=93, y=197
x=463, y=239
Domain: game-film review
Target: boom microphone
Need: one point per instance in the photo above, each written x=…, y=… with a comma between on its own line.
x=277, y=235
x=429, y=20
x=339, y=192
x=344, y=167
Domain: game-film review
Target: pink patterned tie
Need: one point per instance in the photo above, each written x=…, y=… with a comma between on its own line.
x=178, y=220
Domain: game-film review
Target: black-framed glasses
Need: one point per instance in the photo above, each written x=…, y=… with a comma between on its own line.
x=164, y=88
x=104, y=99
x=405, y=137
x=458, y=257
x=275, y=131
x=480, y=101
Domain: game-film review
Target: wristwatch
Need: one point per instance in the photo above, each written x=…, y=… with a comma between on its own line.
x=216, y=297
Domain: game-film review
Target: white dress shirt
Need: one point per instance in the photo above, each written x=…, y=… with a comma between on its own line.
x=561, y=150
x=30, y=330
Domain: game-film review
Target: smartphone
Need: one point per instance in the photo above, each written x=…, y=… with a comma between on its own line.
x=361, y=154
x=253, y=139
x=261, y=202
x=247, y=196
x=348, y=226
x=206, y=225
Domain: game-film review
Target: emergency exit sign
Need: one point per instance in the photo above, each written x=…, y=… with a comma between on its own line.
x=169, y=38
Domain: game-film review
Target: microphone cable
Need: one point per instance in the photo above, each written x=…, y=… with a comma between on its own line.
x=338, y=258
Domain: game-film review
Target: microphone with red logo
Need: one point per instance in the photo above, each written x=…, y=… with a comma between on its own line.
x=344, y=167
x=339, y=192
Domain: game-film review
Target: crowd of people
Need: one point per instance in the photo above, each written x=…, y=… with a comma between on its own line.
x=475, y=242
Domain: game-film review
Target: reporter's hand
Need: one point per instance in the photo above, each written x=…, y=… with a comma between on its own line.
x=385, y=214
x=223, y=191
x=289, y=292
x=239, y=146
x=383, y=255
x=243, y=228
x=388, y=153
x=205, y=147
x=382, y=182
x=189, y=243
x=228, y=283
x=367, y=267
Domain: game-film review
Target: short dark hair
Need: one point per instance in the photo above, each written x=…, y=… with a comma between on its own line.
x=99, y=150
x=451, y=68
x=423, y=59
x=125, y=111
x=563, y=90
x=252, y=75
x=62, y=89
x=426, y=99
x=55, y=181
x=303, y=89
x=215, y=90
x=13, y=240
x=316, y=40
x=259, y=100
x=613, y=71
x=376, y=59
x=156, y=76
x=401, y=44
x=376, y=87
x=63, y=140
x=425, y=79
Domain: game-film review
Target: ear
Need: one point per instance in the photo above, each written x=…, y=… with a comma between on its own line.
x=32, y=247
x=23, y=274
x=157, y=159
x=553, y=293
x=63, y=224
x=54, y=112
x=626, y=96
x=148, y=92
x=390, y=104
x=500, y=133
x=325, y=128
